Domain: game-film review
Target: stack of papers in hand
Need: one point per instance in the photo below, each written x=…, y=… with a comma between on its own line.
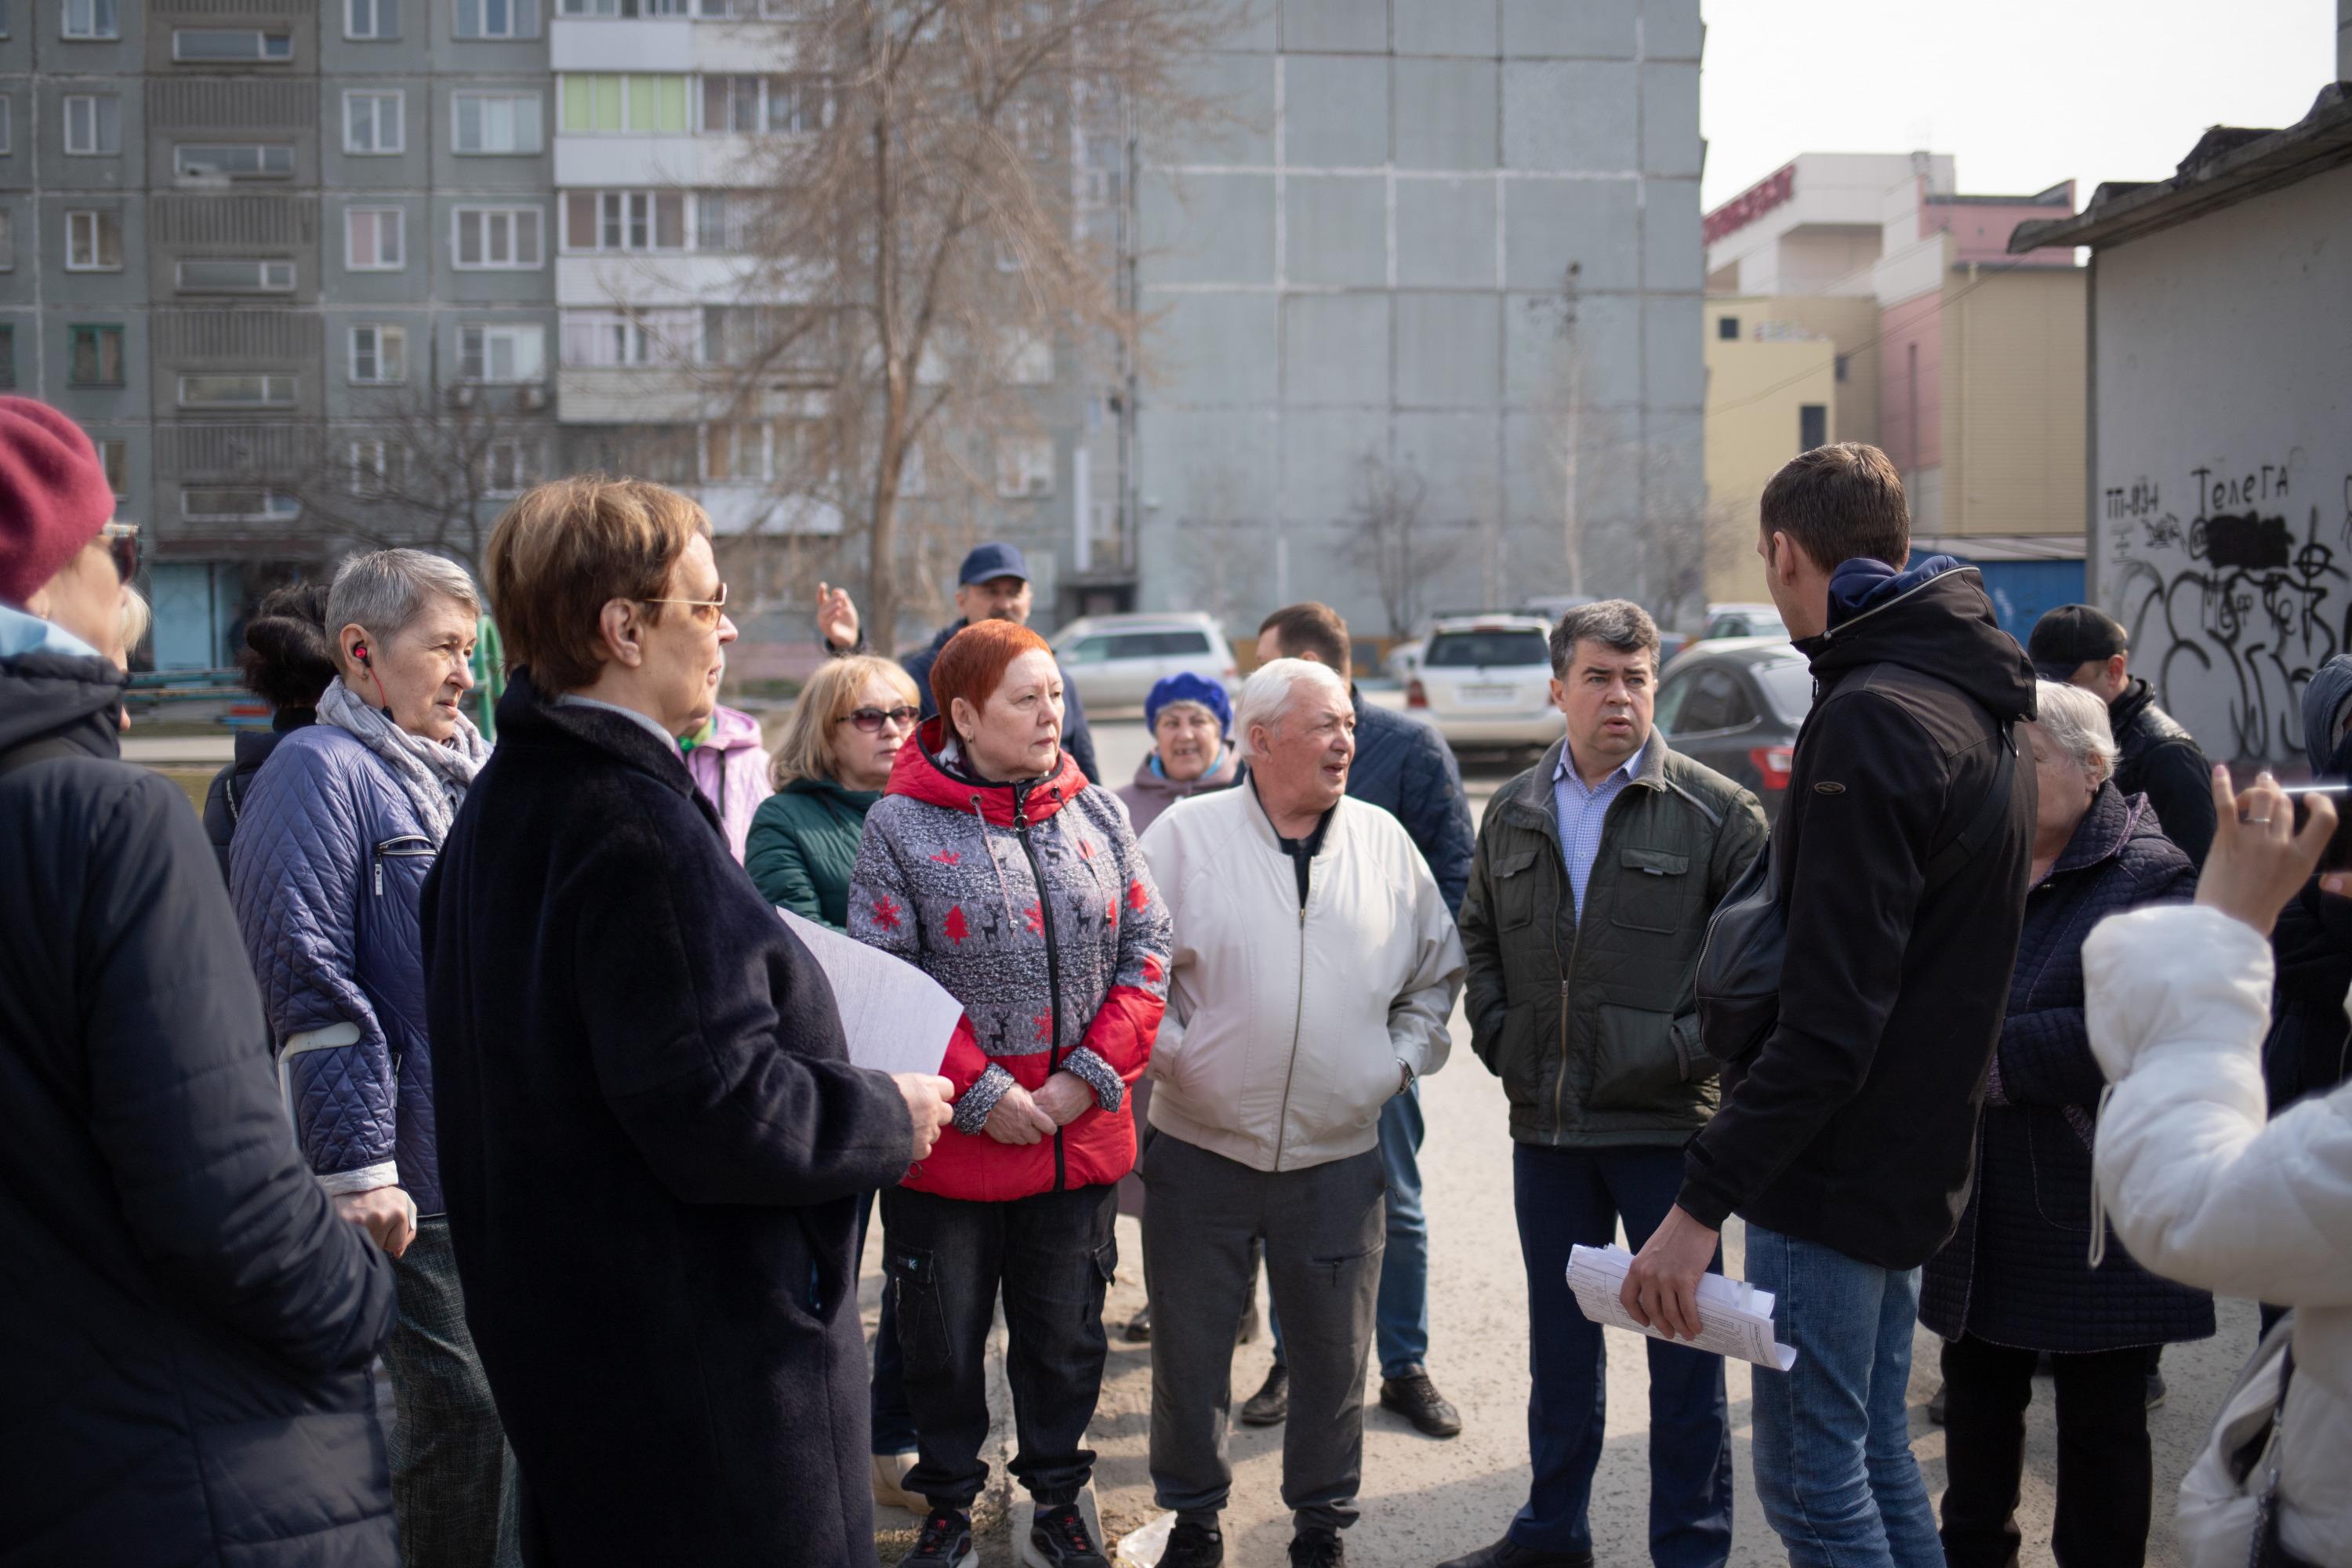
x=1734, y=1318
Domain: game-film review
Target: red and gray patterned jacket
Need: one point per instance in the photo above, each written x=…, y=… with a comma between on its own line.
x=1032, y=906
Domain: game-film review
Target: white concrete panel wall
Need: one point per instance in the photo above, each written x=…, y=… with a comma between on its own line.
x=2221, y=466
x=1374, y=262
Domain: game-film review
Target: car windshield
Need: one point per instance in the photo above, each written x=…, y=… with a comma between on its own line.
x=1487, y=650
x=1746, y=623
x=1789, y=686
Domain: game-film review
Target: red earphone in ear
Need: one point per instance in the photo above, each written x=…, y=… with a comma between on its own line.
x=359, y=651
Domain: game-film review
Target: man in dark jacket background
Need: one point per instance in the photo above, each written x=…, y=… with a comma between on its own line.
x=188, y=1325
x=992, y=584
x=1604, y=862
x=2082, y=646
x=1846, y=1137
x=1406, y=769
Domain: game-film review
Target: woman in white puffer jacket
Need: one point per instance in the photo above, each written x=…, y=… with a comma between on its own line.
x=2198, y=1186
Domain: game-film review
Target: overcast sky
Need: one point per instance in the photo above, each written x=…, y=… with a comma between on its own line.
x=2022, y=93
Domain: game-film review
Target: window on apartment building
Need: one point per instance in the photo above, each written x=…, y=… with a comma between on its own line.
x=498, y=238
x=8, y=240
x=114, y=458
x=379, y=355
x=666, y=454
x=777, y=337
x=735, y=452
x=370, y=19
x=1813, y=426
x=7, y=119
x=209, y=45
x=236, y=389
x=1025, y=467
x=772, y=10
x=231, y=160
x=611, y=338
x=623, y=8
x=235, y=275
x=237, y=503
x=495, y=122
x=1029, y=359
x=786, y=105
x=93, y=124
x=377, y=468
x=374, y=123
x=4, y=18
x=625, y=220
x=94, y=356
x=610, y=103
x=1842, y=368
x=508, y=465
x=501, y=354
x=726, y=221
x=94, y=240
x=91, y=20
x=1727, y=328
x=7, y=354
x=498, y=18
x=371, y=240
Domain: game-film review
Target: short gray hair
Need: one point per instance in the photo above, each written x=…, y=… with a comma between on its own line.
x=384, y=590
x=1266, y=695
x=2077, y=721
x=1618, y=624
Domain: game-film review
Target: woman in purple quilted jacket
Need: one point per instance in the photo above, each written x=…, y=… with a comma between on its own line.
x=327, y=870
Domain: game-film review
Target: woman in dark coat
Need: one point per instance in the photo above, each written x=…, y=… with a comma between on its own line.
x=2016, y=1280
x=286, y=662
x=653, y=1142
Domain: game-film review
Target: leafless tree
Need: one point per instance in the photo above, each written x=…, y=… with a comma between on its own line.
x=1392, y=537
x=948, y=209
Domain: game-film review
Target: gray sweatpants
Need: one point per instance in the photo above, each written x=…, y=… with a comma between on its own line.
x=1323, y=1229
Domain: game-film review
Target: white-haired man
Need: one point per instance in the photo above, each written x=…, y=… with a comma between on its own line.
x=1314, y=968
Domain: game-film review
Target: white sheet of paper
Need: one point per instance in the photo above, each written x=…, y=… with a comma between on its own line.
x=896, y=1018
x=1734, y=1318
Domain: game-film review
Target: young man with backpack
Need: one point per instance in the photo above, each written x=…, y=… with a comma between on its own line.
x=1848, y=1130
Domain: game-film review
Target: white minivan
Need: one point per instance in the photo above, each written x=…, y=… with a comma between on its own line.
x=1115, y=661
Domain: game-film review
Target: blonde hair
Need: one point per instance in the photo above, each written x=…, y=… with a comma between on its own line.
x=563, y=552
x=137, y=617
x=804, y=751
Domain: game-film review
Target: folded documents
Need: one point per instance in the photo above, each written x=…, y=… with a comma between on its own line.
x=1734, y=1319
x=895, y=1018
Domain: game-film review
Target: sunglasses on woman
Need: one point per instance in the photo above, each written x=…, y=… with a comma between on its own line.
x=871, y=720
x=121, y=540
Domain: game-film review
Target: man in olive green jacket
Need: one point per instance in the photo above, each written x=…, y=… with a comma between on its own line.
x=1596, y=872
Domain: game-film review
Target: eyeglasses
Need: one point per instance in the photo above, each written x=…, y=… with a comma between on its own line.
x=871, y=720
x=716, y=606
x=123, y=548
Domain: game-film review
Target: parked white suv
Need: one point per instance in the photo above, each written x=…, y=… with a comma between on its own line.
x=1485, y=682
x=1115, y=661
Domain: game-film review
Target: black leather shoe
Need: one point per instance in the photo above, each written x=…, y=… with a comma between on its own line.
x=1936, y=1402
x=945, y=1543
x=1415, y=1399
x=1193, y=1545
x=1316, y=1548
x=1508, y=1554
x=1139, y=1326
x=1270, y=1406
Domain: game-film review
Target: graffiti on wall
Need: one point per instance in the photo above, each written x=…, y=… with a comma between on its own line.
x=2231, y=611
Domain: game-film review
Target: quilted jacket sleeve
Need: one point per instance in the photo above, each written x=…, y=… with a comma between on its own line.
x=297, y=870
x=778, y=867
x=1121, y=1033
x=184, y=1106
x=882, y=914
x=1436, y=812
x=1418, y=1012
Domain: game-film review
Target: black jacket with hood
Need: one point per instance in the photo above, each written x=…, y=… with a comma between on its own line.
x=1854, y=1124
x=2157, y=758
x=185, y=1326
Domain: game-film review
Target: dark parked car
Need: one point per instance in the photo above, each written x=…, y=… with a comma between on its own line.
x=1736, y=705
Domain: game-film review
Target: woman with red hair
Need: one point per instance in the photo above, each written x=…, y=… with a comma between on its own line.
x=993, y=864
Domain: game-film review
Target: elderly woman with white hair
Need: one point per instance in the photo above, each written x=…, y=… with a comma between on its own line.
x=327, y=871
x=1314, y=968
x=2018, y=1278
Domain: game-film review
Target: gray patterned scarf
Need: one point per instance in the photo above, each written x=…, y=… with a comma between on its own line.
x=433, y=775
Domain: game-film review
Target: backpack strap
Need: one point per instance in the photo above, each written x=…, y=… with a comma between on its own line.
x=40, y=749
x=1945, y=863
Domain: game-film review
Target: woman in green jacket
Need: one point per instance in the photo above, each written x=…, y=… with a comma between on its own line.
x=829, y=768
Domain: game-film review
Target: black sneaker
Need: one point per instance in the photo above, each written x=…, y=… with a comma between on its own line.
x=1059, y=1537
x=945, y=1543
x=1415, y=1399
x=1270, y=1406
x=1193, y=1545
x=1316, y=1548
x=1139, y=1326
x=1509, y=1554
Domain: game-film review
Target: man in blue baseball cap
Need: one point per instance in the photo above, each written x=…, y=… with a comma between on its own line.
x=991, y=585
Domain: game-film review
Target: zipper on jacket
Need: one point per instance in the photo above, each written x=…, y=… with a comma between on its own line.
x=1297, y=1020
x=1566, y=982
x=1053, y=962
x=407, y=847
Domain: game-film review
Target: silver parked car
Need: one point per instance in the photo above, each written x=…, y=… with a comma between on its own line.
x=1485, y=682
x=1115, y=661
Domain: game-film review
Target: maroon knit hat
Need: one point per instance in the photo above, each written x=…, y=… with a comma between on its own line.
x=54, y=495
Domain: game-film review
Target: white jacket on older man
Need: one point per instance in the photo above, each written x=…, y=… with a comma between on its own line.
x=2203, y=1191
x=1288, y=1029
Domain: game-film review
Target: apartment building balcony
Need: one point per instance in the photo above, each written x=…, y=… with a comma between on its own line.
x=612, y=160
x=671, y=44
x=758, y=509
x=650, y=279
x=678, y=394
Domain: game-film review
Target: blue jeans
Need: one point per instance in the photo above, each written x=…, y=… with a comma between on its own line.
x=894, y=1423
x=1834, y=1465
x=1400, y=1317
x=1574, y=1198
